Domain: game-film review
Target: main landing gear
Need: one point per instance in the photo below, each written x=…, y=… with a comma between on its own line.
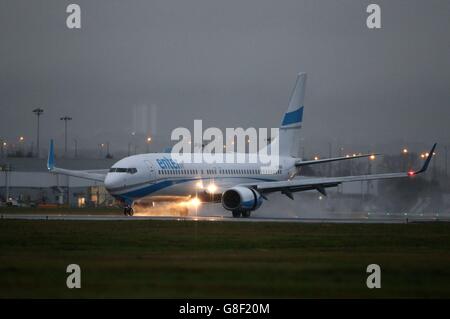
x=128, y=211
x=243, y=213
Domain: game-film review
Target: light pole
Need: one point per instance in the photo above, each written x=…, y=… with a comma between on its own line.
x=2, y=148
x=38, y=111
x=133, y=134
x=100, y=150
x=65, y=119
x=406, y=163
x=329, y=155
x=21, y=148
x=6, y=168
x=76, y=147
x=149, y=140
x=446, y=160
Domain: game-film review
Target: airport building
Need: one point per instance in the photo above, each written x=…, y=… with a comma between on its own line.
x=26, y=181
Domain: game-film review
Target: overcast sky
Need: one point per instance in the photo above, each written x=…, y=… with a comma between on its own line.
x=231, y=63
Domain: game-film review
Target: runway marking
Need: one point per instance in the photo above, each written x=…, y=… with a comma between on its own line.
x=363, y=220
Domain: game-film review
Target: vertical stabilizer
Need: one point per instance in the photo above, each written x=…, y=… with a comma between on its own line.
x=291, y=123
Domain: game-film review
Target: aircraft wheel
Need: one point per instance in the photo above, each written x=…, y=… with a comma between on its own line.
x=246, y=213
x=128, y=211
x=236, y=213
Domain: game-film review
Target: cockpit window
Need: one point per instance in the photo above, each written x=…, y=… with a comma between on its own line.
x=131, y=170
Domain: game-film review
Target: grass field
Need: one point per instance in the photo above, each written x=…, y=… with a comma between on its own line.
x=217, y=259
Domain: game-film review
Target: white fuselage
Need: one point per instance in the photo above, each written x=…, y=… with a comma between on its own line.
x=156, y=174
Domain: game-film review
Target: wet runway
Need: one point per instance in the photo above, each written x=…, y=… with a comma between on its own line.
x=393, y=219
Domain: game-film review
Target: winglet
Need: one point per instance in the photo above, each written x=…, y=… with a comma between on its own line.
x=51, y=157
x=427, y=161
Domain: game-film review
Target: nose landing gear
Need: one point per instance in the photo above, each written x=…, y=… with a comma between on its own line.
x=128, y=210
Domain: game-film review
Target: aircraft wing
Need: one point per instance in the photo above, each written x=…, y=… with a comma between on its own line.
x=300, y=163
x=95, y=175
x=302, y=184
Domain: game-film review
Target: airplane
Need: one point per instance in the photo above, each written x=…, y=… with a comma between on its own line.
x=240, y=187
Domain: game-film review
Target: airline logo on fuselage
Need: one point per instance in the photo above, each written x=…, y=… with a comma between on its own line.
x=168, y=163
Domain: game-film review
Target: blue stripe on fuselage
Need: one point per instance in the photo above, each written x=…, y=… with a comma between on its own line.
x=147, y=190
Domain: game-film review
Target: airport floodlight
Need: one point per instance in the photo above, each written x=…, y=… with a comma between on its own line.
x=38, y=111
x=405, y=151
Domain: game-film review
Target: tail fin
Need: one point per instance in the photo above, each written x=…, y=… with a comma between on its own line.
x=51, y=157
x=289, y=138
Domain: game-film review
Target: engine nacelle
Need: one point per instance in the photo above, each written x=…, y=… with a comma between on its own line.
x=241, y=198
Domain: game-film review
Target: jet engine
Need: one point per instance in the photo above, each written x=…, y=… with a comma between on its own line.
x=241, y=198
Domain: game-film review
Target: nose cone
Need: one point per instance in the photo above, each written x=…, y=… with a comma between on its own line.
x=114, y=181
